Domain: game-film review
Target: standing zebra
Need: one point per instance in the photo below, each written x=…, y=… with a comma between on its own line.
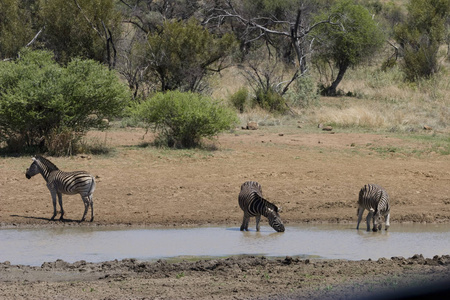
x=375, y=199
x=59, y=182
x=253, y=204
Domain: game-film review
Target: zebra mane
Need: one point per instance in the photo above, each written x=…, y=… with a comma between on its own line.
x=51, y=166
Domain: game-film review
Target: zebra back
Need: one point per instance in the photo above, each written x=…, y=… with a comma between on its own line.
x=66, y=182
x=373, y=196
x=253, y=204
x=73, y=182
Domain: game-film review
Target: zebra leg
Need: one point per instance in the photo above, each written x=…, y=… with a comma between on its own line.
x=60, y=205
x=360, y=212
x=91, y=201
x=258, y=219
x=245, y=221
x=387, y=221
x=86, y=207
x=53, y=193
x=369, y=218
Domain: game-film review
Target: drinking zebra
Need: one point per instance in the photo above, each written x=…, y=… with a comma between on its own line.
x=253, y=204
x=59, y=182
x=375, y=199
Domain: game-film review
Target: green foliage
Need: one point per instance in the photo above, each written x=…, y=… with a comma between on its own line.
x=421, y=35
x=302, y=92
x=15, y=28
x=183, y=119
x=181, y=54
x=270, y=100
x=353, y=37
x=239, y=99
x=72, y=31
x=49, y=107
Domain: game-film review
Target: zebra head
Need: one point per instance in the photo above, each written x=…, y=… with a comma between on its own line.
x=274, y=219
x=33, y=169
x=377, y=221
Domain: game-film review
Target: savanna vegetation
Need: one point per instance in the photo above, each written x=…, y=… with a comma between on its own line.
x=192, y=69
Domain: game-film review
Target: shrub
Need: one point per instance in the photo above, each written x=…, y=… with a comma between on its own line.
x=303, y=92
x=181, y=54
x=239, y=98
x=46, y=107
x=420, y=37
x=183, y=119
x=270, y=100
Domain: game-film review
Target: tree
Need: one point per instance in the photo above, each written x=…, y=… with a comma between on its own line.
x=357, y=37
x=181, y=54
x=40, y=100
x=421, y=35
x=283, y=24
x=81, y=28
x=183, y=119
x=15, y=28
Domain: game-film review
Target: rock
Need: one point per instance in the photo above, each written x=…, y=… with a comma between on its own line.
x=426, y=127
x=281, y=134
x=320, y=125
x=252, y=125
x=327, y=128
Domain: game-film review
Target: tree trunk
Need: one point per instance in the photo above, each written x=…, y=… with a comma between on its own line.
x=332, y=89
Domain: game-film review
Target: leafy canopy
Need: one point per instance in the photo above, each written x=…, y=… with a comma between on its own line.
x=181, y=54
x=39, y=98
x=356, y=38
x=183, y=119
x=421, y=35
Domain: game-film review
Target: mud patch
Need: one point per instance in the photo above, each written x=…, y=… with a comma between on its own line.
x=241, y=277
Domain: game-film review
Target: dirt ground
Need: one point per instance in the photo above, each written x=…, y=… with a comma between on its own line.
x=315, y=176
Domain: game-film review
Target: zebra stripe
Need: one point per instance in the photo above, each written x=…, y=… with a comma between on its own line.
x=375, y=199
x=253, y=204
x=69, y=183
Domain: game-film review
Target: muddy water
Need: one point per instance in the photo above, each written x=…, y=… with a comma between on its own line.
x=38, y=245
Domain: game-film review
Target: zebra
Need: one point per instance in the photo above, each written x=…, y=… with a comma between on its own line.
x=59, y=182
x=375, y=199
x=253, y=204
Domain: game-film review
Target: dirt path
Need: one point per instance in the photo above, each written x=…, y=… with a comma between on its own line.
x=314, y=177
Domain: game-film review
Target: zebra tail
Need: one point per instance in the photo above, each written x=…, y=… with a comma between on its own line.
x=92, y=188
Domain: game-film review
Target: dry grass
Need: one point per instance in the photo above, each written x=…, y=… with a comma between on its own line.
x=380, y=101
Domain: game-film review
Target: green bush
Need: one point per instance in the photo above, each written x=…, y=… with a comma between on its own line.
x=181, y=54
x=302, y=92
x=46, y=107
x=270, y=100
x=183, y=119
x=420, y=37
x=239, y=99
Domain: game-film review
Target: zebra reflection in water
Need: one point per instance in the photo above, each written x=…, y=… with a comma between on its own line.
x=253, y=204
x=59, y=182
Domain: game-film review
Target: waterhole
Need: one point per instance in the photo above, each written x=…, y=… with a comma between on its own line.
x=95, y=244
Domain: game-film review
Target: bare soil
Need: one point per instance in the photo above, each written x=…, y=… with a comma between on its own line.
x=315, y=176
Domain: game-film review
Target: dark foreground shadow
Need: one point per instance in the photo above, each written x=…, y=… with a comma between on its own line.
x=438, y=290
x=47, y=219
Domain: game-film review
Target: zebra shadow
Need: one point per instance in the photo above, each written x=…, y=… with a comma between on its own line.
x=46, y=219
